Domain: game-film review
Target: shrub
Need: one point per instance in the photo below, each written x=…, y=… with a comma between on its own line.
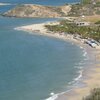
x=94, y=95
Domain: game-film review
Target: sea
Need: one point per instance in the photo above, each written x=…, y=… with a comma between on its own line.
x=33, y=66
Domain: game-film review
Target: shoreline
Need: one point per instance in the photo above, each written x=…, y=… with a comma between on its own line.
x=39, y=29
x=88, y=76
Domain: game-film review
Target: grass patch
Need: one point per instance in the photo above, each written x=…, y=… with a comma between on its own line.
x=72, y=28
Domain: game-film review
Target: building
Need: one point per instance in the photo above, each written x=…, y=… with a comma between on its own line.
x=82, y=23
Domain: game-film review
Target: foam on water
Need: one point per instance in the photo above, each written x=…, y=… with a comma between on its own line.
x=71, y=84
x=85, y=54
x=81, y=47
x=53, y=97
x=80, y=72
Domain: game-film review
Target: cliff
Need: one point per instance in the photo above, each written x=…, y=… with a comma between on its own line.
x=30, y=10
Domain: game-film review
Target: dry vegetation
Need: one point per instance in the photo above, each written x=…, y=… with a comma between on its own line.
x=86, y=7
x=94, y=95
x=93, y=18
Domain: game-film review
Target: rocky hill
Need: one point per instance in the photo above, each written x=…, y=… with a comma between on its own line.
x=30, y=10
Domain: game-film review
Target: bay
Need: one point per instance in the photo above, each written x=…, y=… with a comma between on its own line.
x=33, y=66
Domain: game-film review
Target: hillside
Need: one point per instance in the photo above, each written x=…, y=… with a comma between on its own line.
x=85, y=7
x=30, y=10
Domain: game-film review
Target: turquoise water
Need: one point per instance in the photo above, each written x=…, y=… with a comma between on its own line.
x=33, y=66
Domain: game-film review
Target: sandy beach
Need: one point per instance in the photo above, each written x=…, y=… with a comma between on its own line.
x=40, y=29
x=91, y=73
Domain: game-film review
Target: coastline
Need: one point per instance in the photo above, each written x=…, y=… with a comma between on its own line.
x=88, y=76
x=41, y=30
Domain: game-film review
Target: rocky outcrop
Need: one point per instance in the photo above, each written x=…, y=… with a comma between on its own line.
x=30, y=10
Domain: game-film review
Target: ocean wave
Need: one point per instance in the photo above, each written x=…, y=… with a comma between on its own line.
x=77, y=78
x=80, y=64
x=79, y=67
x=84, y=53
x=86, y=58
x=17, y=28
x=71, y=85
x=53, y=96
x=80, y=75
x=81, y=47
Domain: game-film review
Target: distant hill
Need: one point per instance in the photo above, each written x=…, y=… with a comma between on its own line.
x=85, y=7
x=30, y=10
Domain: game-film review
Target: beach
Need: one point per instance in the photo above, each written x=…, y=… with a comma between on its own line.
x=90, y=78
x=40, y=29
x=91, y=74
